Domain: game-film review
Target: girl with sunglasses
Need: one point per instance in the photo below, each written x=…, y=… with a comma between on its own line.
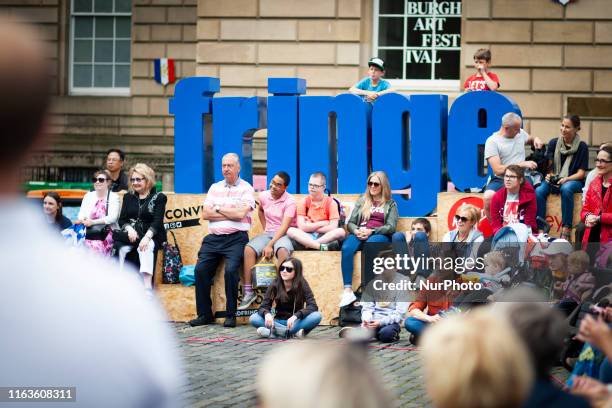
x=296, y=309
x=466, y=235
x=142, y=222
x=100, y=207
x=373, y=219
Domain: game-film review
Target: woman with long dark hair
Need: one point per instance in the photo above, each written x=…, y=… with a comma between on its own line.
x=296, y=309
x=52, y=207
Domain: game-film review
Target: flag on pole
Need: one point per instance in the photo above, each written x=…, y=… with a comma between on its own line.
x=164, y=71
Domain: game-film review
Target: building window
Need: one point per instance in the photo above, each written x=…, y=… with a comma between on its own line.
x=100, y=39
x=420, y=42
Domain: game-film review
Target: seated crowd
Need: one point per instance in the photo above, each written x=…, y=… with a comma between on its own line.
x=289, y=308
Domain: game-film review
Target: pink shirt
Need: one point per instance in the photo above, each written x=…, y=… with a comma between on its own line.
x=240, y=194
x=276, y=210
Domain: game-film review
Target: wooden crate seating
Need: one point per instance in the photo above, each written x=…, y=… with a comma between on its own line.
x=321, y=269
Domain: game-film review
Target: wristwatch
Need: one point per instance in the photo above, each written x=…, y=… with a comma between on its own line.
x=217, y=208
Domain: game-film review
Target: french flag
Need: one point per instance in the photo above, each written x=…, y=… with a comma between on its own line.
x=164, y=70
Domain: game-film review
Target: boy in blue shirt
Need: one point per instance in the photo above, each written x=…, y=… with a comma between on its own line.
x=372, y=86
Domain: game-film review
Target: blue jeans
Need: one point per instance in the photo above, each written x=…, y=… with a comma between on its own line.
x=415, y=326
x=567, y=191
x=308, y=323
x=351, y=245
x=420, y=248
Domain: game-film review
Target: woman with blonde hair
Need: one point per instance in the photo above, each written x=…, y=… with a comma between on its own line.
x=311, y=374
x=373, y=219
x=475, y=361
x=141, y=221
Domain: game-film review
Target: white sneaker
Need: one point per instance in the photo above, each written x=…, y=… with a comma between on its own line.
x=264, y=331
x=300, y=334
x=347, y=298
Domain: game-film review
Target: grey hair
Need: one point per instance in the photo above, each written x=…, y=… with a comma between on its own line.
x=510, y=118
x=232, y=156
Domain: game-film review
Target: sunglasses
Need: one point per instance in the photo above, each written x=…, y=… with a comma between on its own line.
x=463, y=219
x=373, y=184
x=99, y=179
x=286, y=268
x=136, y=179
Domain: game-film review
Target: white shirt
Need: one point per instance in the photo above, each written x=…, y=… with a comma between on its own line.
x=71, y=319
x=89, y=202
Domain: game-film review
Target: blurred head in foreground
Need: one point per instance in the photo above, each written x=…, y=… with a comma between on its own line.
x=24, y=98
x=313, y=374
x=475, y=361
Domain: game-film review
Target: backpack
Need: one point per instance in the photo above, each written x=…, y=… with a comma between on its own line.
x=341, y=212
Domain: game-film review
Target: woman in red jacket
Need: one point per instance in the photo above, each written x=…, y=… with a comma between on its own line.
x=514, y=203
x=597, y=210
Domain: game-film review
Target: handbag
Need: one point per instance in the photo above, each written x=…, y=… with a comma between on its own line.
x=99, y=232
x=263, y=273
x=172, y=263
x=350, y=315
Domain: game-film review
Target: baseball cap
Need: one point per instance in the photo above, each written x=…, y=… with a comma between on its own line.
x=558, y=246
x=377, y=62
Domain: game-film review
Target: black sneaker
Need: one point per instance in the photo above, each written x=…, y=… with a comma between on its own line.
x=229, y=322
x=333, y=246
x=201, y=321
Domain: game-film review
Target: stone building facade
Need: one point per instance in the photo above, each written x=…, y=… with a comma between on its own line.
x=551, y=59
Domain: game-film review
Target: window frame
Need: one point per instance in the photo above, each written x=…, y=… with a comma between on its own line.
x=450, y=85
x=96, y=91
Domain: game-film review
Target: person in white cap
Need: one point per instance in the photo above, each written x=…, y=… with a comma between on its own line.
x=557, y=253
x=373, y=86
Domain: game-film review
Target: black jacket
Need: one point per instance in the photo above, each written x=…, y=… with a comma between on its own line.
x=150, y=212
x=284, y=310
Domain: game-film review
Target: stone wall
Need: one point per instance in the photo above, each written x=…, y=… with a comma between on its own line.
x=545, y=53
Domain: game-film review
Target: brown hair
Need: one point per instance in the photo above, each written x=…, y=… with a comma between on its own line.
x=518, y=170
x=54, y=195
x=483, y=53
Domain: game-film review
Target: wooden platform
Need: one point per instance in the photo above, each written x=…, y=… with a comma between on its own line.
x=321, y=269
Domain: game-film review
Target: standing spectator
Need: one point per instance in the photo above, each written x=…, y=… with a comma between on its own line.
x=515, y=202
x=373, y=219
x=372, y=86
x=114, y=164
x=227, y=209
x=597, y=211
x=483, y=79
x=142, y=219
x=475, y=361
x=506, y=147
x=568, y=160
x=276, y=215
x=317, y=218
x=52, y=207
x=100, y=207
x=68, y=319
x=294, y=304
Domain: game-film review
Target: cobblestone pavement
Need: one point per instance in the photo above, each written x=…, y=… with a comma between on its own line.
x=221, y=365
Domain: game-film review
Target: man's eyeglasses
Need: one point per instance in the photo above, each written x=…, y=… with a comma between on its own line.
x=602, y=161
x=99, y=179
x=510, y=177
x=275, y=184
x=373, y=184
x=462, y=219
x=314, y=186
x=286, y=268
x=136, y=179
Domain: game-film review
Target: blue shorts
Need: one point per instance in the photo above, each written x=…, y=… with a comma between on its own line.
x=495, y=183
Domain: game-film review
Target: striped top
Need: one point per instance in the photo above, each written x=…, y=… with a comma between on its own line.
x=239, y=194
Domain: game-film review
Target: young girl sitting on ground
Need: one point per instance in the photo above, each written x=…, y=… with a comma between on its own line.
x=296, y=309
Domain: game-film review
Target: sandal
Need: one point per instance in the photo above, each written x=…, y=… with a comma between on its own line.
x=566, y=233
